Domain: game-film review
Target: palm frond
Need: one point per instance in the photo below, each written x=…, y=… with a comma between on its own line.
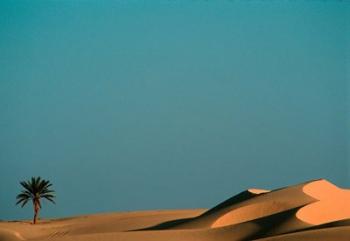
x=42, y=184
x=49, y=198
x=23, y=195
x=47, y=191
x=27, y=186
x=23, y=201
x=34, y=189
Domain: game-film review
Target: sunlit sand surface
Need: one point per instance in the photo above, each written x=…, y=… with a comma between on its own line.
x=316, y=210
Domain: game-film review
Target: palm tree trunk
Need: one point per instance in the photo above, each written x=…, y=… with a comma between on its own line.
x=36, y=211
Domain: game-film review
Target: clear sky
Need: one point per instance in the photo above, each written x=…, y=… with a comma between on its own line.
x=132, y=105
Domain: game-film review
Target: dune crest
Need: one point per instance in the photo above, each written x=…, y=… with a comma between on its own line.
x=321, y=189
x=333, y=203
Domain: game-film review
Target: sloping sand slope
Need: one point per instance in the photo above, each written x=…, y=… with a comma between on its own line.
x=316, y=210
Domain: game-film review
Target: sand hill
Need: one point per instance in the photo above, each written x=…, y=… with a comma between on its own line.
x=316, y=210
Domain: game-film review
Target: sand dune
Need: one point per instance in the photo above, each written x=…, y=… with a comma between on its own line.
x=315, y=210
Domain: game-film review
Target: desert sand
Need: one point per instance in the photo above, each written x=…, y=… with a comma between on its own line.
x=315, y=210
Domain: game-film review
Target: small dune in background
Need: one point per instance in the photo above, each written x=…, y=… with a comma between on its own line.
x=315, y=210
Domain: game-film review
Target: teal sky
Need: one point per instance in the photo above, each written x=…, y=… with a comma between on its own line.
x=132, y=105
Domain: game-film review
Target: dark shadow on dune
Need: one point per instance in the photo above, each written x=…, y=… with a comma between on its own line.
x=243, y=196
x=271, y=223
x=340, y=223
x=344, y=222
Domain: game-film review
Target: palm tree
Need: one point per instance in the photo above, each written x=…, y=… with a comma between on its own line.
x=34, y=190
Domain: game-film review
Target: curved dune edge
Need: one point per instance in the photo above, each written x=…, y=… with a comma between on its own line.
x=321, y=189
x=332, y=205
x=263, y=203
x=249, y=212
x=206, y=220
